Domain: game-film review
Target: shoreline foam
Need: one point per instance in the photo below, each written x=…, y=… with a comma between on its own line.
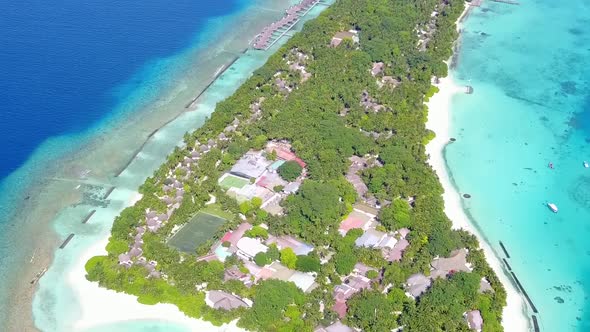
x=514, y=316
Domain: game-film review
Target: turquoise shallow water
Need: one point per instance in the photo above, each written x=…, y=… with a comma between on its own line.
x=140, y=326
x=529, y=66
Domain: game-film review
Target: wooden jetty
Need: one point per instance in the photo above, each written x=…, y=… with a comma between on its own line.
x=68, y=239
x=536, y=324
x=215, y=77
x=108, y=193
x=124, y=167
x=275, y=31
x=526, y=295
x=507, y=265
x=504, y=249
x=85, y=220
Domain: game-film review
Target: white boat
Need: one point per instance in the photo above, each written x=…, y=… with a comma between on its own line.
x=553, y=207
x=586, y=164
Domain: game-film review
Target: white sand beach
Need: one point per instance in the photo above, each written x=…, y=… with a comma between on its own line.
x=514, y=317
x=100, y=306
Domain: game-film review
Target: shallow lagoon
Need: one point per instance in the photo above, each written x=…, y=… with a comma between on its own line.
x=529, y=107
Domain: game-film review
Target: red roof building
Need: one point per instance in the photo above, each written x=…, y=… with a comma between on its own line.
x=340, y=308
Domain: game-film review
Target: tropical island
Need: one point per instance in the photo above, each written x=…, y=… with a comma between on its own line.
x=306, y=201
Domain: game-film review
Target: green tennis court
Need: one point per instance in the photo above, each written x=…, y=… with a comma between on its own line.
x=233, y=181
x=196, y=232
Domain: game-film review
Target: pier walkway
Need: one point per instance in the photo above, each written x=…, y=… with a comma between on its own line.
x=275, y=31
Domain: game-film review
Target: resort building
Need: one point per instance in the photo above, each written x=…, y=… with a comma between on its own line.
x=417, y=284
x=249, y=247
x=351, y=285
x=456, y=262
x=286, y=241
x=340, y=36
x=356, y=219
x=304, y=281
x=357, y=164
x=474, y=320
x=395, y=254
x=336, y=327
x=251, y=165
x=234, y=273
x=377, y=68
x=362, y=269
x=485, y=286
x=125, y=260
x=371, y=238
x=222, y=300
x=256, y=176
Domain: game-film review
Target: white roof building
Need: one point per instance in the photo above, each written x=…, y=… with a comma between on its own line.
x=387, y=242
x=252, y=165
x=302, y=280
x=249, y=247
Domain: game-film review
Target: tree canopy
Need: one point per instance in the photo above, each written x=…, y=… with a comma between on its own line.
x=290, y=170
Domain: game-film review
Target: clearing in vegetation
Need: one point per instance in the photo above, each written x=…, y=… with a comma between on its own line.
x=198, y=230
x=233, y=181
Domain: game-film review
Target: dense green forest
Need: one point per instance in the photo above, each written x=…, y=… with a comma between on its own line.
x=326, y=123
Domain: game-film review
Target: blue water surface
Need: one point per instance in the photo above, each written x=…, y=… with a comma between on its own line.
x=529, y=65
x=67, y=69
x=66, y=65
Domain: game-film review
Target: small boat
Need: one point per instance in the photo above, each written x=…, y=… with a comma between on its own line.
x=553, y=207
x=586, y=164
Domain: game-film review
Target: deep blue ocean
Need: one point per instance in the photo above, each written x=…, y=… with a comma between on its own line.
x=67, y=65
x=68, y=71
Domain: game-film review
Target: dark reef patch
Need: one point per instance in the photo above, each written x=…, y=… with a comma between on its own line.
x=568, y=87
